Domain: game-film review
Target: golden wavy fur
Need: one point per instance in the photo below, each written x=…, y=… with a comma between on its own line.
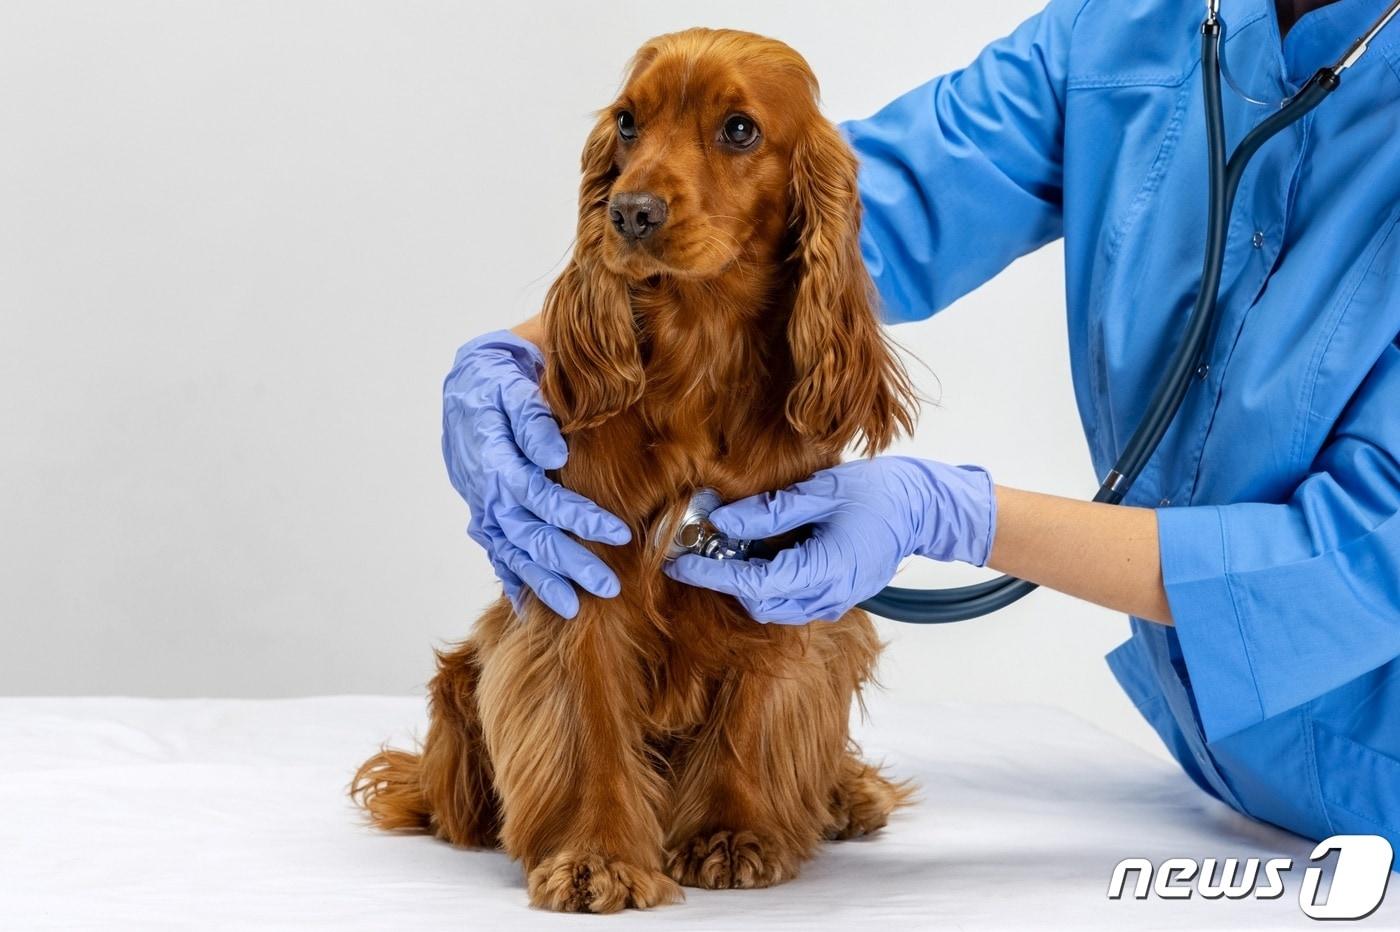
x=662, y=737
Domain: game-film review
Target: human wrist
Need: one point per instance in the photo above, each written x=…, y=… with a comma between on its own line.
x=525, y=354
x=532, y=330
x=957, y=516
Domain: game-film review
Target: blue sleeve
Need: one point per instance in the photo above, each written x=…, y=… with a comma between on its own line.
x=963, y=175
x=1276, y=605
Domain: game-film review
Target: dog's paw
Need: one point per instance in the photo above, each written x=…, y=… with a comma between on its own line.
x=573, y=882
x=863, y=803
x=728, y=861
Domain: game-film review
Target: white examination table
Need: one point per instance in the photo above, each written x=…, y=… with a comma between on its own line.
x=192, y=814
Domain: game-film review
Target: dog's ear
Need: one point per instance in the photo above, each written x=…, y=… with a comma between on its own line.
x=593, y=367
x=848, y=380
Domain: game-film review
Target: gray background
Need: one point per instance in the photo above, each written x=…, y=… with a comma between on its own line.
x=239, y=243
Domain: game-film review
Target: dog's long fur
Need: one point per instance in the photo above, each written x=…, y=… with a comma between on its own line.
x=662, y=737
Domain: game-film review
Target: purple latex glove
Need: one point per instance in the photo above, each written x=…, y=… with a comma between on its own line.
x=866, y=517
x=498, y=438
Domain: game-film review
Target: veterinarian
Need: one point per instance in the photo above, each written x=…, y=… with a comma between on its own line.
x=1259, y=552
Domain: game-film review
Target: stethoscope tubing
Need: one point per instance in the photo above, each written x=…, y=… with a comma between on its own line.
x=940, y=606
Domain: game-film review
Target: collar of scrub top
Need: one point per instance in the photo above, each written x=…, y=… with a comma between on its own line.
x=1338, y=33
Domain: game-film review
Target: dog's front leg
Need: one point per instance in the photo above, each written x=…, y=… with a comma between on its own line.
x=579, y=797
x=754, y=790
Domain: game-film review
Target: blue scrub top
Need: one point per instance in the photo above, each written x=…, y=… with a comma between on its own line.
x=1278, y=486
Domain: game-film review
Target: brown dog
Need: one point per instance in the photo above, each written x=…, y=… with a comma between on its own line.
x=714, y=328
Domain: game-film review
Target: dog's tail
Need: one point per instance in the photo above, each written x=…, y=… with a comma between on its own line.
x=447, y=789
x=389, y=788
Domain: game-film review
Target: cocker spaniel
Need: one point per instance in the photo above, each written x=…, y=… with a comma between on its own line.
x=715, y=327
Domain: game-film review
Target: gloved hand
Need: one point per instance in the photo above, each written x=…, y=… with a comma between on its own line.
x=867, y=516
x=498, y=438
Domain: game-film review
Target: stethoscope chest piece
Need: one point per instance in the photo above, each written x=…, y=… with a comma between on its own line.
x=695, y=534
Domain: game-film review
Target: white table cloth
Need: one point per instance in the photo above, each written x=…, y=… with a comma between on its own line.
x=231, y=814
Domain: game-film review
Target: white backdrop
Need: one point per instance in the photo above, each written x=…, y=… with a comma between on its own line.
x=239, y=244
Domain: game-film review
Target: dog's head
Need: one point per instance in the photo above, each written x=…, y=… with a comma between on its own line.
x=713, y=162
x=698, y=154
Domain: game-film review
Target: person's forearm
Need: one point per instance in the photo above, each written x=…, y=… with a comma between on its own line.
x=1105, y=554
x=532, y=330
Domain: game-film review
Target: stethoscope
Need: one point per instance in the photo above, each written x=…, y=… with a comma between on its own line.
x=937, y=606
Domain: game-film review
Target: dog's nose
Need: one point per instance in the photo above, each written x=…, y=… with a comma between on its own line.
x=637, y=216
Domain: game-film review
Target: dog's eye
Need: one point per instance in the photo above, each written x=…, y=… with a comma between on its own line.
x=740, y=131
x=626, y=125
